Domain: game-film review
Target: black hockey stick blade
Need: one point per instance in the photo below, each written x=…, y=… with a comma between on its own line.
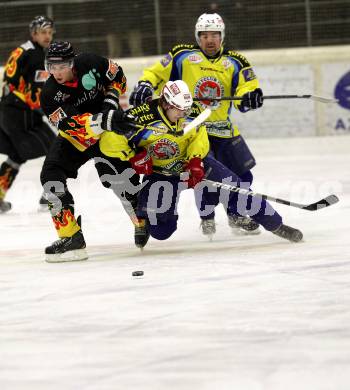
x=321, y=204
x=325, y=202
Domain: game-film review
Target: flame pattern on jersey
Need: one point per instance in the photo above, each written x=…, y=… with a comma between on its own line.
x=24, y=92
x=117, y=87
x=21, y=70
x=78, y=134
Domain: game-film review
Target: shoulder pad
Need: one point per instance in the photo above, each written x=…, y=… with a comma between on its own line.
x=27, y=45
x=176, y=49
x=238, y=57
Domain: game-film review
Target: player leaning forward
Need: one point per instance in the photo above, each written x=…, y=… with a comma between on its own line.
x=175, y=151
x=81, y=98
x=211, y=70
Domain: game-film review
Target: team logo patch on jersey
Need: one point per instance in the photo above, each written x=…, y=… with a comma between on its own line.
x=41, y=76
x=112, y=70
x=57, y=116
x=61, y=97
x=209, y=87
x=165, y=149
x=248, y=74
x=89, y=79
x=195, y=58
x=165, y=61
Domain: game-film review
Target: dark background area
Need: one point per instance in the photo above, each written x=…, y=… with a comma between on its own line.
x=150, y=27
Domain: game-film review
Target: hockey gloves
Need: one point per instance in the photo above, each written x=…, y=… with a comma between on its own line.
x=142, y=93
x=119, y=121
x=142, y=163
x=252, y=100
x=195, y=168
x=111, y=102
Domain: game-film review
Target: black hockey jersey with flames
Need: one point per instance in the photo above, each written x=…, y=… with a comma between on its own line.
x=70, y=106
x=25, y=75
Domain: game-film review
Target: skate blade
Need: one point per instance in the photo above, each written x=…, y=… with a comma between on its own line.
x=5, y=208
x=75, y=255
x=139, y=246
x=209, y=237
x=241, y=232
x=298, y=237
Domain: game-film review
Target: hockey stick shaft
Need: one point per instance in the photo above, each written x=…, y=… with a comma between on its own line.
x=322, y=203
x=265, y=97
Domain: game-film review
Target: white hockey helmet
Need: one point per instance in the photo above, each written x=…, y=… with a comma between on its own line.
x=210, y=22
x=177, y=94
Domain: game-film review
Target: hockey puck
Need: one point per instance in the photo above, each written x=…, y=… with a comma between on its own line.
x=137, y=273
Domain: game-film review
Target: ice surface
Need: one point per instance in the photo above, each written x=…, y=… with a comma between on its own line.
x=245, y=313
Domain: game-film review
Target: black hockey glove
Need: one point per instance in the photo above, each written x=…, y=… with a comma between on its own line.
x=119, y=121
x=142, y=93
x=252, y=100
x=111, y=102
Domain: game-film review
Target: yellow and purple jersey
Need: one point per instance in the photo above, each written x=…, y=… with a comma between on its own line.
x=169, y=150
x=228, y=74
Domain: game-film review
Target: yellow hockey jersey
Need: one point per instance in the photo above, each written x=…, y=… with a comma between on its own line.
x=228, y=74
x=170, y=150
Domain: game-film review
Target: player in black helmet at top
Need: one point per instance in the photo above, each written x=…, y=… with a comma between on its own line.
x=81, y=98
x=23, y=134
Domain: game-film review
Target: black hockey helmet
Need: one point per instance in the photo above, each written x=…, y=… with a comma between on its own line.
x=40, y=22
x=59, y=52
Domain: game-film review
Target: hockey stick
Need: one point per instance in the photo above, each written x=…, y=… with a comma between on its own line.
x=312, y=97
x=196, y=122
x=322, y=203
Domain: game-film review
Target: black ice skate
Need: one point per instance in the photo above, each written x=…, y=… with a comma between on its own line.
x=288, y=233
x=243, y=225
x=208, y=227
x=5, y=206
x=141, y=234
x=67, y=249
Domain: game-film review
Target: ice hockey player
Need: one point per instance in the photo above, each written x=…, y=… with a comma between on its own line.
x=211, y=70
x=81, y=98
x=177, y=152
x=23, y=134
